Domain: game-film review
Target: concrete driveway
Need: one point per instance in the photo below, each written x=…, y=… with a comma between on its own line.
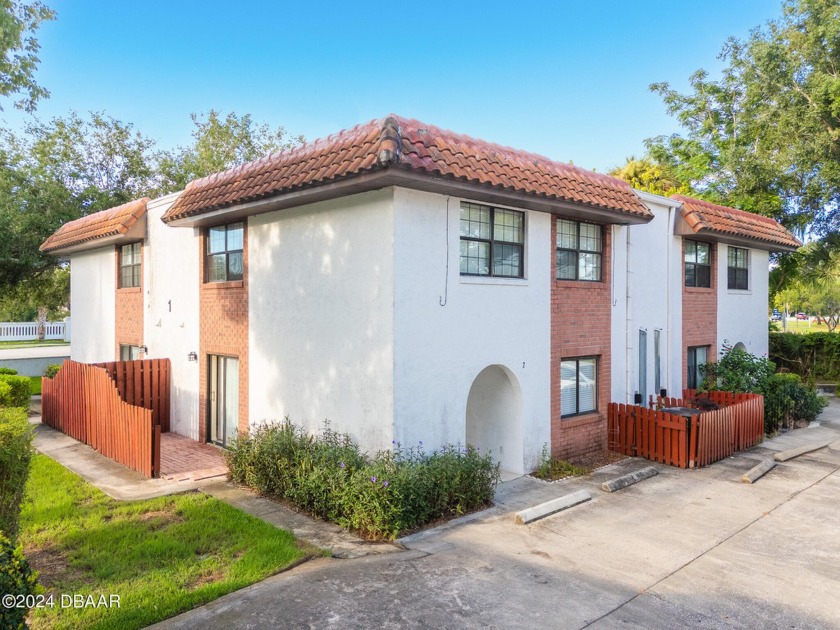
x=693, y=548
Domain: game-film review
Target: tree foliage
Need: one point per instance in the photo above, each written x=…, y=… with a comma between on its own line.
x=651, y=176
x=19, y=51
x=220, y=143
x=765, y=137
x=59, y=171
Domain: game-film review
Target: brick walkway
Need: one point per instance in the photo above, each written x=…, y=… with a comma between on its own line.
x=184, y=459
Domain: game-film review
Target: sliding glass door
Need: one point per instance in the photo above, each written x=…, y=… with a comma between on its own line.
x=223, y=399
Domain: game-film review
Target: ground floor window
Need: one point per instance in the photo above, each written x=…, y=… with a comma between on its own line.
x=223, y=399
x=129, y=352
x=578, y=386
x=697, y=356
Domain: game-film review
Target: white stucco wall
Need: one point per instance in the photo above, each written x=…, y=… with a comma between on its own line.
x=647, y=294
x=92, y=301
x=742, y=315
x=321, y=296
x=440, y=349
x=170, y=301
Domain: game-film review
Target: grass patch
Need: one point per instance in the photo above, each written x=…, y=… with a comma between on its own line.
x=35, y=385
x=161, y=556
x=558, y=469
x=29, y=344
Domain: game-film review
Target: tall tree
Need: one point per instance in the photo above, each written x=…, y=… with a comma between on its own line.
x=19, y=51
x=651, y=176
x=60, y=171
x=219, y=144
x=766, y=136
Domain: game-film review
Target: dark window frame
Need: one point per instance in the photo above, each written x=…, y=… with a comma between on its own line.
x=131, y=274
x=227, y=252
x=578, y=250
x=493, y=242
x=693, y=376
x=695, y=266
x=128, y=349
x=577, y=361
x=738, y=276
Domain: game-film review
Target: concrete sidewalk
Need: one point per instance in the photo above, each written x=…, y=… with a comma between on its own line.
x=687, y=548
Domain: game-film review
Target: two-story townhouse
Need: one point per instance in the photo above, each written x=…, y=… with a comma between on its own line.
x=406, y=283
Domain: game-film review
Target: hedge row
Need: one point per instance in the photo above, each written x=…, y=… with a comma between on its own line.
x=380, y=497
x=815, y=356
x=15, y=391
x=15, y=454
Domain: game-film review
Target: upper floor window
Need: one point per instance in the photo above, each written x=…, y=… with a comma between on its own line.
x=492, y=241
x=698, y=264
x=130, y=265
x=579, y=251
x=224, y=252
x=739, y=268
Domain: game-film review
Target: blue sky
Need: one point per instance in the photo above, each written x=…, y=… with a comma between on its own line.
x=567, y=79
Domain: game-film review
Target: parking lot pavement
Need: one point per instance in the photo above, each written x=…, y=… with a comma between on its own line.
x=686, y=548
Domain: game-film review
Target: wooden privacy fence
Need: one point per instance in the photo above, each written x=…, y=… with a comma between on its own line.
x=697, y=440
x=83, y=401
x=143, y=384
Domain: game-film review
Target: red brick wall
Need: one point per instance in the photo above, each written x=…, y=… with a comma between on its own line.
x=699, y=316
x=223, y=329
x=129, y=309
x=580, y=327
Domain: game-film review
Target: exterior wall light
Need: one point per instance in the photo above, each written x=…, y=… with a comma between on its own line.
x=144, y=349
x=192, y=356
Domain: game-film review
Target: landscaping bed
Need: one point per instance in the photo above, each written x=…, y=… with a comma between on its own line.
x=160, y=556
x=384, y=496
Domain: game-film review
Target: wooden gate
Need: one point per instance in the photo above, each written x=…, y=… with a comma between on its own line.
x=83, y=402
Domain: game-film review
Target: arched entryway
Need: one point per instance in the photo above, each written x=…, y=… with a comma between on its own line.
x=494, y=416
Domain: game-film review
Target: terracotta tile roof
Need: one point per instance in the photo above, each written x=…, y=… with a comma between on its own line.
x=111, y=222
x=704, y=216
x=398, y=143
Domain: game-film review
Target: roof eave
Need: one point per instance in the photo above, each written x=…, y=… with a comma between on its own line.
x=135, y=233
x=418, y=181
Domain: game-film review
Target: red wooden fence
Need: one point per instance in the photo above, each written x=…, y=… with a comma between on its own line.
x=144, y=384
x=705, y=438
x=83, y=402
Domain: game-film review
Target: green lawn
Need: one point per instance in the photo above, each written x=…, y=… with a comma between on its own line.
x=803, y=326
x=27, y=344
x=161, y=556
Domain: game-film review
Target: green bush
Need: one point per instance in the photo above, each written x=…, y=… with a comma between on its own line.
x=391, y=493
x=815, y=356
x=8, y=370
x=16, y=579
x=15, y=453
x=52, y=370
x=787, y=399
x=20, y=391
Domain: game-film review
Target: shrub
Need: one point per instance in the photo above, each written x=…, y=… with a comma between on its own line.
x=8, y=370
x=15, y=453
x=391, y=493
x=16, y=578
x=20, y=391
x=812, y=356
x=52, y=370
x=787, y=399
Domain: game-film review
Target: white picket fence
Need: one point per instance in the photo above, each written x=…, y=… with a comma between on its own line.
x=28, y=331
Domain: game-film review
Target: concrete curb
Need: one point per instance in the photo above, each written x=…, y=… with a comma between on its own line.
x=552, y=507
x=783, y=456
x=629, y=479
x=756, y=472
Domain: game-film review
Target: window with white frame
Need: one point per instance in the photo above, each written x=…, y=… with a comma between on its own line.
x=579, y=250
x=225, y=244
x=492, y=241
x=698, y=264
x=578, y=386
x=738, y=268
x=130, y=256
